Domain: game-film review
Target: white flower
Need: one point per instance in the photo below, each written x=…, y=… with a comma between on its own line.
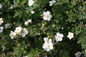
x=1, y=21
x=18, y=30
x=51, y=2
x=59, y=37
x=78, y=54
x=24, y=32
x=47, y=16
x=0, y=6
x=1, y=29
x=11, y=7
x=28, y=21
x=12, y=34
x=70, y=35
x=7, y=25
x=32, y=12
x=31, y=2
x=47, y=40
x=48, y=45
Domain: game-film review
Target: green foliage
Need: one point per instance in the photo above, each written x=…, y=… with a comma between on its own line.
x=67, y=16
x=34, y=53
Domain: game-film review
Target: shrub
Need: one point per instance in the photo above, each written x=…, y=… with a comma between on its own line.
x=38, y=28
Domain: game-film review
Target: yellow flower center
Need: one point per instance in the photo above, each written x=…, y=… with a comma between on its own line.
x=31, y=2
x=12, y=35
x=58, y=37
x=0, y=21
x=7, y=26
x=48, y=46
x=70, y=35
x=17, y=29
x=46, y=15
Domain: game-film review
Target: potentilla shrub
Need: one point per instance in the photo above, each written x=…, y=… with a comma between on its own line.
x=42, y=28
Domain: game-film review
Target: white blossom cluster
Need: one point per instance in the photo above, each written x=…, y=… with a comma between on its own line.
x=1, y=27
x=48, y=45
x=31, y=2
x=6, y=25
x=59, y=37
x=1, y=21
x=46, y=15
x=18, y=31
